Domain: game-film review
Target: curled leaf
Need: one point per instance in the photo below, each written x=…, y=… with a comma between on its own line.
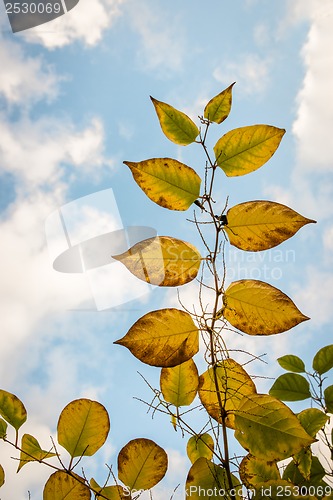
x=167, y=182
x=257, y=308
x=164, y=338
x=141, y=464
x=162, y=261
x=175, y=124
x=246, y=149
x=260, y=225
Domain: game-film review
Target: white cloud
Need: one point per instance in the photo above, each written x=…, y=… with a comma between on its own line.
x=162, y=46
x=85, y=23
x=250, y=71
x=25, y=79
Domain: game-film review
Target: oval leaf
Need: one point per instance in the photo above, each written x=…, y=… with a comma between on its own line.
x=2, y=476
x=218, y=108
x=260, y=225
x=62, y=486
x=292, y=363
x=290, y=387
x=3, y=428
x=328, y=395
x=175, y=124
x=179, y=384
x=31, y=451
x=207, y=480
x=254, y=471
x=12, y=409
x=268, y=429
x=141, y=464
x=167, y=182
x=200, y=446
x=162, y=261
x=164, y=338
x=246, y=149
x=257, y=308
x=83, y=427
x=312, y=420
x=233, y=382
x=111, y=492
x=323, y=360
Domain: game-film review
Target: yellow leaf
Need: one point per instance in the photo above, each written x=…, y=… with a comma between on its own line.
x=208, y=480
x=175, y=124
x=83, y=427
x=31, y=451
x=200, y=446
x=111, y=492
x=162, y=261
x=218, y=108
x=2, y=476
x=254, y=471
x=257, y=308
x=246, y=149
x=3, y=428
x=233, y=383
x=141, y=464
x=12, y=409
x=167, y=182
x=165, y=338
x=268, y=429
x=61, y=486
x=179, y=384
x=260, y=225
x=303, y=462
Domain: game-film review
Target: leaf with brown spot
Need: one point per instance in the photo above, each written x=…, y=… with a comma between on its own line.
x=167, y=182
x=162, y=261
x=165, y=338
x=233, y=384
x=260, y=225
x=61, y=485
x=257, y=308
x=254, y=471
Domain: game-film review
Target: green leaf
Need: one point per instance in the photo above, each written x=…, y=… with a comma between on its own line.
x=179, y=384
x=175, y=124
x=328, y=395
x=257, y=308
x=141, y=464
x=218, y=108
x=31, y=451
x=317, y=472
x=111, y=492
x=61, y=486
x=12, y=409
x=165, y=338
x=292, y=363
x=233, y=382
x=207, y=480
x=3, y=428
x=200, y=446
x=268, y=429
x=255, y=471
x=290, y=387
x=83, y=427
x=246, y=149
x=260, y=225
x=323, y=360
x=303, y=461
x=162, y=261
x=2, y=476
x=167, y=182
x=312, y=420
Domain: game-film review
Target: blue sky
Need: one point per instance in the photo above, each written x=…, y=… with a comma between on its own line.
x=74, y=103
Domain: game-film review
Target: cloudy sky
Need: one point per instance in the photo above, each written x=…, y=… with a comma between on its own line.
x=74, y=103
